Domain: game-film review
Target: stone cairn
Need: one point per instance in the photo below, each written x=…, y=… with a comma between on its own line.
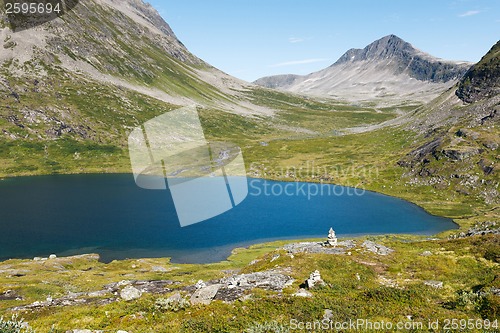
x=332, y=239
x=314, y=279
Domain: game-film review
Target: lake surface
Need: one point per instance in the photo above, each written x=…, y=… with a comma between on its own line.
x=110, y=215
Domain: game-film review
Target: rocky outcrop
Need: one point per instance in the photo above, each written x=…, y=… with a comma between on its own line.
x=377, y=248
x=480, y=229
x=483, y=79
x=461, y=153
x=126, y=290
x=319, y=247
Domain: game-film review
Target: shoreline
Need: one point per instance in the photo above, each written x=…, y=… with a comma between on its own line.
x=236, y=249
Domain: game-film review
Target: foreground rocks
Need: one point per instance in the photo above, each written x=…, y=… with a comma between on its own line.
x=125, y=290
x=226, y=289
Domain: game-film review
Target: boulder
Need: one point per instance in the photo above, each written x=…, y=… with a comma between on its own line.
x=130, y=293
x=205, y=295
x=303, y=293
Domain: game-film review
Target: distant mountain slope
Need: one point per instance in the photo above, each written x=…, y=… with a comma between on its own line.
x=388, y=69
x=483, y=79
x=72, y=89
x=122, y=43
x=456, y=146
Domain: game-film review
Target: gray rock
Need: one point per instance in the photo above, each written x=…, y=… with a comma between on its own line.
x=460, y=154
x=426, y=253
x=483, y=228
x=377, y=248
x=145, y=286
x=175, y=298
x=434, y=284
x=130, y=293
x=303, y=293
x=205, y=295
x=328, y=314
x=270, y=280
x=52, y=256
x=491, y=145
x=236, y=286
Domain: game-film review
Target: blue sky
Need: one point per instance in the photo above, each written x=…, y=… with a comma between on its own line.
x=254, y=38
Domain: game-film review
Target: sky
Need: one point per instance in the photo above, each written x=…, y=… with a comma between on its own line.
x=250, y=39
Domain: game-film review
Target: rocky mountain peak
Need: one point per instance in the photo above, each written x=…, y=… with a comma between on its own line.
x=406, y=58
x=385, y=47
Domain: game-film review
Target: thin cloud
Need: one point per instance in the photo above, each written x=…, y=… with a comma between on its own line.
x=299, y=62
x=294, y=40
x=469, y=13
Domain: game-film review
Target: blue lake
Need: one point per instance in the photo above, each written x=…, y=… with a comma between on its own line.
x=110, y=215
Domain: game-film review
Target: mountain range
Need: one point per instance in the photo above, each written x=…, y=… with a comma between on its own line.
x=389, y=69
